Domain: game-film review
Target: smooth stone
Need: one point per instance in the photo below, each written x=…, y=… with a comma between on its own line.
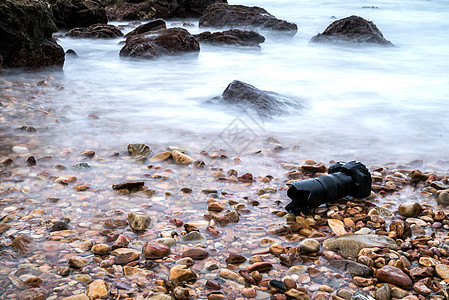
x=101, y=249
x=139, y=221
x=310, y=246
x=228, y=274
x=235, y=259
x=349, y=245
x=409, y=209
x=196, y=253
x=443, y=198
x=153, y=250
x=179, y=274
x=181, y=293
x=125, y=255
x=394, y=276
x=77, y=262
x=194, y=236
x=98, y=289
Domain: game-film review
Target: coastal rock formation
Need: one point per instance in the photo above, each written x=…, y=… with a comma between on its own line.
x=231, y=37
x=352, y=29
x=149, y=9
x=172, y=41
x=148, y=27
x=265, y=103
x=101, y=31
x=77, y=13
x=26, y=28
x=222, y=15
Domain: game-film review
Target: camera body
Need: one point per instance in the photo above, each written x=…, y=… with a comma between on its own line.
x=344, y=179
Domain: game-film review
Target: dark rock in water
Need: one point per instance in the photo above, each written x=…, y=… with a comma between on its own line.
x=71, y=52
x=148, y=27
x=265, y=103
x=352, y=29
x=26, y=29
x=59, y=225
x=130, y=185
x=31, y=161
x=151, y=9
x=102, y=31
x=77, y=13
x=232, y=37
x=172, y=41
x=351, y=267
x=81, y=166
x=223, y=15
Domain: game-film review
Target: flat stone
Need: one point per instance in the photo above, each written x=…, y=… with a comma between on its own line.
x=235, y=259
x=78, y=262
x=23, y=244
x=349, y=245
x=196, y=253
x=125, y=255
x=194, y=236
x=351, y=267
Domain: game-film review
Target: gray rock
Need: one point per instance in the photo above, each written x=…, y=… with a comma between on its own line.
x=309, y=246
x=443, y=198
x=349, y=245
x=351, y=267
x=383, y=293
x=192, y=237
x=409, y=209
x=139, y=221
x=265, y=103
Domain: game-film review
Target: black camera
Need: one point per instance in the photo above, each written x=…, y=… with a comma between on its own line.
x=344, y=179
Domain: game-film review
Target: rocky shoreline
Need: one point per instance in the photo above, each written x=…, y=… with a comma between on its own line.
x=158, y=222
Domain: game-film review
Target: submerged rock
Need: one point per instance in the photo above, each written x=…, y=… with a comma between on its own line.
x=139, y=221
x=350, y=244
x=351, y=267
x=265, y=103
x=26, y=29
x=223, y=15
x=352, y=29
x=172, y=41
x=102, y=31
x=77, y=13
x=235, y=37
x=150, y=9
x=23, y=244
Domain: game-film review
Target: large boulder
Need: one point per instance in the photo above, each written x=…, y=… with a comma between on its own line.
x=78, y=13
x=230, y=16
x=231, y=37
x=150, y=26
x=172, y=41
x=151, y=9
x=352, y=29
x=26, y=28
x=102, y=31
x=246, y=96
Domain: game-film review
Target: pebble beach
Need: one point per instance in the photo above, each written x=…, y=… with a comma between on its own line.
x=174, y=221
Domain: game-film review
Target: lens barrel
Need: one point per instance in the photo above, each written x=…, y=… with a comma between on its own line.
x=350, y=179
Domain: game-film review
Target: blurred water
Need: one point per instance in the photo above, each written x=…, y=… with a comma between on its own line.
x=369, y=103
